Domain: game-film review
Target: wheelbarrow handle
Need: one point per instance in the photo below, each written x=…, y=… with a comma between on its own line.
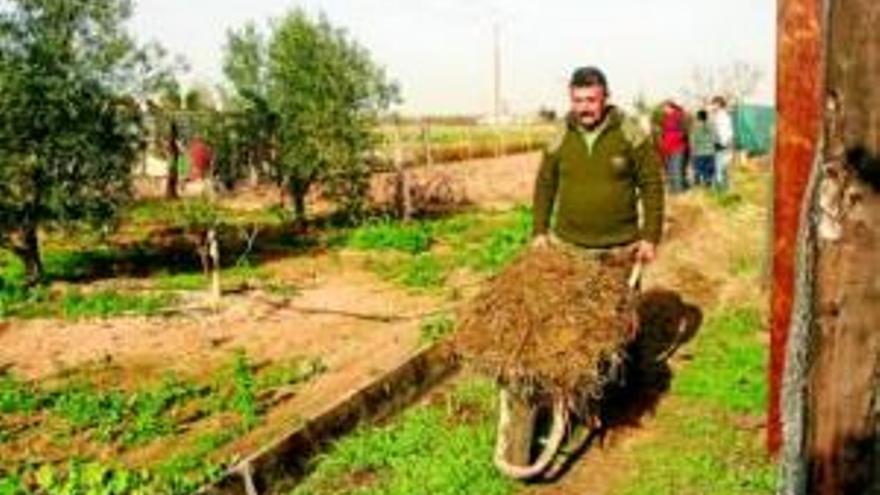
x=635, y=275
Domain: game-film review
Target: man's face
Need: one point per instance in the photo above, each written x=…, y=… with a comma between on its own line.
x=588, y=104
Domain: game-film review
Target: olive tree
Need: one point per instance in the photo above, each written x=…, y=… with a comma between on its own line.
x=323, y=93
x=70, y=125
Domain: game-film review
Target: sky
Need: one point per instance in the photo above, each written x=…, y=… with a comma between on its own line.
x=441, y=51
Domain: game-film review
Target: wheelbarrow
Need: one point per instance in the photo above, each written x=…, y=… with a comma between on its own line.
x=518, y=423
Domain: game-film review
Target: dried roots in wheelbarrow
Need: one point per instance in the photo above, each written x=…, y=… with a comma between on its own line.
x=554, y=323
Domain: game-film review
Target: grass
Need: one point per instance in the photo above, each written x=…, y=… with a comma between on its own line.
x=72, y=303
x=106, y=303
x=422, y=255
x=435, y=328
x=699, y=448
x=700, y=452
x=441, y=449
x=230, y=278
x=412, y=238
x=727, y=370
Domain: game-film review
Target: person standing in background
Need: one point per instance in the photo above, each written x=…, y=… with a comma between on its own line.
x=674, y=146
x=702, y=141
x=723, y=125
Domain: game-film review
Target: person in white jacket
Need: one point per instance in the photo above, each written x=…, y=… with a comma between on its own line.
x=723, y=125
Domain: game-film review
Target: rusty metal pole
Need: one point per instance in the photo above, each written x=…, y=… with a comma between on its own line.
x=799, y=104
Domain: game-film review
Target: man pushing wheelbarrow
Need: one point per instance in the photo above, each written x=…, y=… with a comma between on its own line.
x=553, y=327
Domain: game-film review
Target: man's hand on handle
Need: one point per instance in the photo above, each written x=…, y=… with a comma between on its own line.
x=645, y=252
x=541, y=241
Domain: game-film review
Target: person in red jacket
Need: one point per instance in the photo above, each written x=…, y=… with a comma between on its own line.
x=200, y=156
x=674, y=146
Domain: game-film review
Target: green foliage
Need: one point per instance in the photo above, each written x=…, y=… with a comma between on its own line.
x=69, y=129
x=244, y=398
x=107, y=303
x=435, y=328
x=291, y=372
x=318, y=94
x=729, y=363
x=17, y=397
x=96, y=478
x=423, y=271
x=503, y=244
x=231, y=277
x=480, y=242
x=426, y=450
x=255, y=121
x=128, y=418
x=412, y=238
x=700, y=452
x=85, y=408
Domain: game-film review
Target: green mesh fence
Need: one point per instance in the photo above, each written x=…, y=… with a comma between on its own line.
x=754, y=127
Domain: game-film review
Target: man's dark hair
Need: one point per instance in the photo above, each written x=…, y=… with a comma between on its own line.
x=720, y=101
x=584, y=77
x=702, y=116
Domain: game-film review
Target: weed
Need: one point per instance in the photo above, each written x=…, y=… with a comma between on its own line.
x=243, y=399
x=423, y=272
x=433, y=329
x=503, y=244
x=148, y=410
x=232, y=277
x=106, y=303
x=412, y=238
x=84, y=407
x=423, y=451
x=292, y=372
x=17, y=396
x=700, y=452
x=729, y=362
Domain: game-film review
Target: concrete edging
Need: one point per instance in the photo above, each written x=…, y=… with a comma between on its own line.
x=285, y=461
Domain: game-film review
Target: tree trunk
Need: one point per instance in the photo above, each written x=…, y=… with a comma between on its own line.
x=843, y=416
x=174, y=156
x=298, y=192
x=214, y=254
x=28, y=251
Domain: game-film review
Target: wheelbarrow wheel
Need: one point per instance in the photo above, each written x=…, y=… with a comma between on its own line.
x=508, y=426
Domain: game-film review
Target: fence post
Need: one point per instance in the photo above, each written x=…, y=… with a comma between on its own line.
x=402, y=194
x=426, y=142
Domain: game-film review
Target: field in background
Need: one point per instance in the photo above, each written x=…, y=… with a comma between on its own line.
x=443, y=143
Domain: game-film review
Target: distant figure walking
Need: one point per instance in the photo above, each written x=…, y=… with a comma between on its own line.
x=723, y=124
x=702, y=140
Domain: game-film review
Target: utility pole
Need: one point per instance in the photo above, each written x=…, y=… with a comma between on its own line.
x=497, y=37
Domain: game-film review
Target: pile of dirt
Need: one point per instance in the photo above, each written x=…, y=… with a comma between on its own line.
x=552, y=323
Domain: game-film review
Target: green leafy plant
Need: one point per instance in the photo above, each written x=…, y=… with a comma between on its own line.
x=105, y=303
x=412, y=238
x=435, y=328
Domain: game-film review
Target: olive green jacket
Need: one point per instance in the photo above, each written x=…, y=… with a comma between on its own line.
x=593, y=195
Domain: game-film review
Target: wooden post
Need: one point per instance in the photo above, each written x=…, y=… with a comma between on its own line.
x=799, y=106
x=426, y=142
x=402, y=194
x=469, y=140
